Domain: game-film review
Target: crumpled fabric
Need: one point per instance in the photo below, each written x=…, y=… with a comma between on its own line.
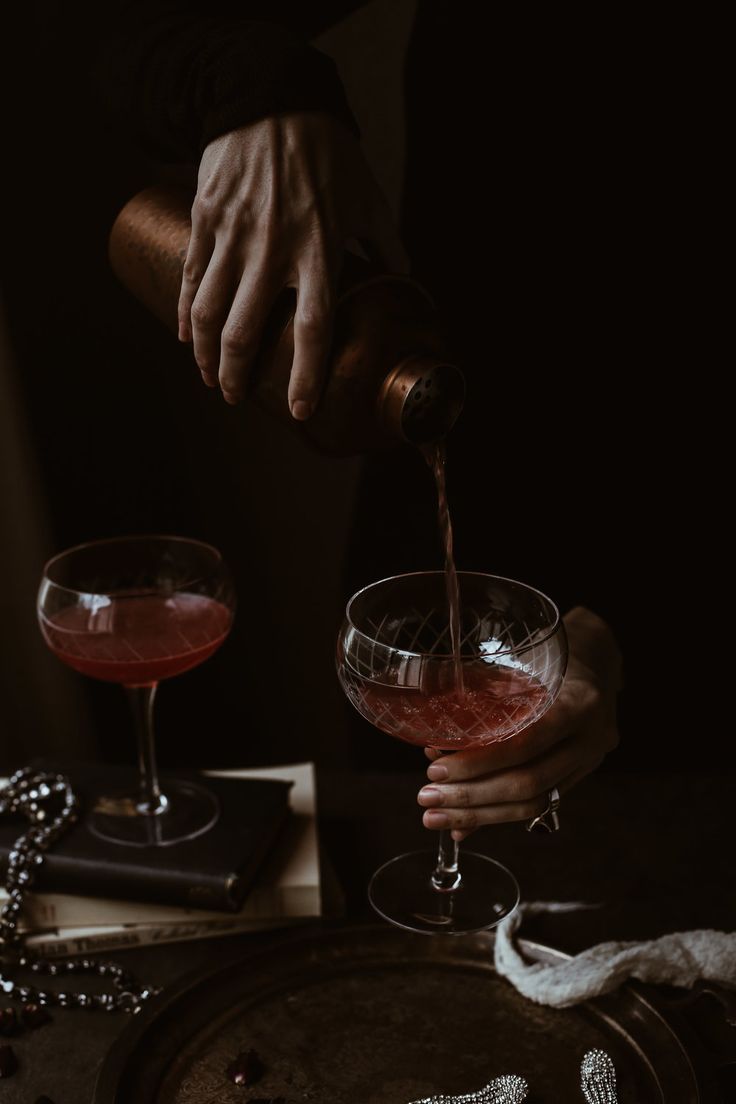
x=679, y=959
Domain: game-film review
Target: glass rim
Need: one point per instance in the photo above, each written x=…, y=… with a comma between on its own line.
x=127, y=539
x=449, y=655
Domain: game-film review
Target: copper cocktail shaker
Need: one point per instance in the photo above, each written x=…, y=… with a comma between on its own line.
x=389, y=378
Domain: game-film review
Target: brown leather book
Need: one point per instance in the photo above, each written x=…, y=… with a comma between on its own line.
x=213, y=871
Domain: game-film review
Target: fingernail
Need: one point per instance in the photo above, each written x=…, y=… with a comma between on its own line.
x=435, y=819
x=430, y=795
x=229, y=397
x=437, y=772
x=301, y=410
x=208, y=380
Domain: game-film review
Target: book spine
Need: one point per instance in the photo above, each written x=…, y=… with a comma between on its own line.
x=265, y=903
x=141, y=883
x=60, y=943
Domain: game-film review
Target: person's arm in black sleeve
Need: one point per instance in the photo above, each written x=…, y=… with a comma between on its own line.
x=175, y=79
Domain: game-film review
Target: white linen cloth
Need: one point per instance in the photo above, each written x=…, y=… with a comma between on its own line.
x=680, y=959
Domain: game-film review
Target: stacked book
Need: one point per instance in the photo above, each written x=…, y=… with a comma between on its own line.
x=94, y=896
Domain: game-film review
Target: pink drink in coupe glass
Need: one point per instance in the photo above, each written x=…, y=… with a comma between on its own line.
x=397, y=656
x=137, y=640
x=133, y=611
x=496, y=703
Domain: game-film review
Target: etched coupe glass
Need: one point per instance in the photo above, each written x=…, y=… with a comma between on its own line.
x=136, y=610
x=396, y=664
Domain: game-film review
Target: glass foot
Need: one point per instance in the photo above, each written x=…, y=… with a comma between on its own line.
x=401, y=891
x=189, y=811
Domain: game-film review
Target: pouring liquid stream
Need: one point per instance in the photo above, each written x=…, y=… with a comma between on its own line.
x=435, y=455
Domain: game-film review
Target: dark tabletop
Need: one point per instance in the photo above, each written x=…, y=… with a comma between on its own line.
x=655, y=851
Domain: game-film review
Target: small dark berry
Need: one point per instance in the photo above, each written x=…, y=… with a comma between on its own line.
x=9, y=1022
x=35, y=1015
x=246, y=1069
x=8, y=1061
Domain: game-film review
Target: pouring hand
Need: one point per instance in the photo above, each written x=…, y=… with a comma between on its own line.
x=276, y=202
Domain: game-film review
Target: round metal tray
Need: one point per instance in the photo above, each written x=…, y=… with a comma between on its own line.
x=381, y=1016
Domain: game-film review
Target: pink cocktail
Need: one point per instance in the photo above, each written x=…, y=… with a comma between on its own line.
x=138, y=640
x=494, y=703
x=449, y=675
x=134, y=611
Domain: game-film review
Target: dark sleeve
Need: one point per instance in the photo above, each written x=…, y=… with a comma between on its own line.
x=174, y=78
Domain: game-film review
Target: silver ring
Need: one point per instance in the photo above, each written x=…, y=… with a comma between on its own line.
x=548, y=821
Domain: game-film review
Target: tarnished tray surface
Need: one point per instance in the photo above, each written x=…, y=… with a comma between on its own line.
x=381, y=1016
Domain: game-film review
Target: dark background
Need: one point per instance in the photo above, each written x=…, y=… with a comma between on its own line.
x=532, y=207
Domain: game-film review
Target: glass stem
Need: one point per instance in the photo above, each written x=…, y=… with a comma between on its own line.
x=151, y=801
x=446, y=874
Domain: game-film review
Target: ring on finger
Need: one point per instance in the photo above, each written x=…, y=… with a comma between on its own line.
x=547, y=821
